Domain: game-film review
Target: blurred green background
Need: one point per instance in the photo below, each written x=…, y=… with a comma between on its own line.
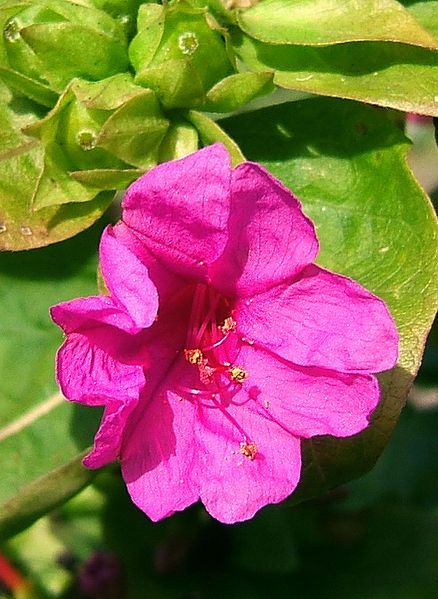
x=374, y=538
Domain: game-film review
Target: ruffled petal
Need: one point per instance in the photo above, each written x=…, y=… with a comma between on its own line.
x=233, y=486
x=322, y=319
x=89, y=375
x=167, y=283
x=86, y=313
x=269, y=237
x=127, y=279
x=180, y=210
x=306, y=401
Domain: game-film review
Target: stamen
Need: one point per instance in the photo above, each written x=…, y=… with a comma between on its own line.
x=228, y=416
x=197, y=392
x=207, y=320
x=193, y=356
x=228, y=325
x=237, y=374
x=249, y=450
x=195, y=315
x=217, y=344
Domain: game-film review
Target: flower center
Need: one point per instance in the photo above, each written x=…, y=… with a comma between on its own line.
x=209, y=334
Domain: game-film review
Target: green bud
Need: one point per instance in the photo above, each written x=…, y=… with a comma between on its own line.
x=53, y=41
x=105, y=128
x=179, y=52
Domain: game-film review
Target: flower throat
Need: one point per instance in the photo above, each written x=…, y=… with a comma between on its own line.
x=209, y=333
x=211, y=346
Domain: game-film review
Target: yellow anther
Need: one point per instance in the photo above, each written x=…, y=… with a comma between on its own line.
x=228, y=325
x=193, y=356
x=249, y=450
x=237, y=374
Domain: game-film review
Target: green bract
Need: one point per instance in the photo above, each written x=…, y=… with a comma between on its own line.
x=49, y=42
x=179, y=52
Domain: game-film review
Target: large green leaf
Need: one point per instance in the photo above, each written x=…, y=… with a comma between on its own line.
x=347, y=163
x=41, y=435
x=322, y=22
x=383, y=73
x=426, y=13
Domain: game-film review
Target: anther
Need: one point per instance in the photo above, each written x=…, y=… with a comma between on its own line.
x=237, y=374
x=249, y=450
x=206, y=372
x=228, y=325
x=193, y=356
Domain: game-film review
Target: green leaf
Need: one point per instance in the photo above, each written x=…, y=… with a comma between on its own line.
x=235, y=91
x=42, y=436
x=347, y=163
x=134, y=131
x=210, y=133
x=426, y=14
x=386, y=74
x=31, y=88
x=106, y=178
x=323, y=22
x=21, y=165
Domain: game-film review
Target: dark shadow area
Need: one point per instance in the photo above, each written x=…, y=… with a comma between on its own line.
x=312, y=128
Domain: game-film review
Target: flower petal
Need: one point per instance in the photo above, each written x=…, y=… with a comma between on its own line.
x=158, y=447
x=180, y=209
x=127, y=279
x=322, y=319
x=235, y=487
x=86, y=313
x=270, y=239
x=306, y=401
x=89, y=375
x=167, y=283
x=108, y=439
x=159, y=457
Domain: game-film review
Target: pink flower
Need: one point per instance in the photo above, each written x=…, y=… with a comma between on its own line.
x=253, y=347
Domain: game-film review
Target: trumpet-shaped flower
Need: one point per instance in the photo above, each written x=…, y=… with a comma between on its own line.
x=252, y=347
